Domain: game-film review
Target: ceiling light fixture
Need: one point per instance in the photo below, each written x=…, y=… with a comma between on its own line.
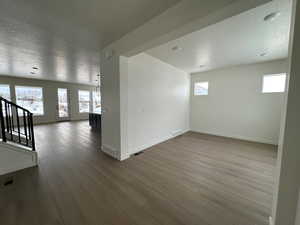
x=176, y=48
x=201, y=66
x=35, y=68
x=32, y=72
x=272, y=16
x=263, y=54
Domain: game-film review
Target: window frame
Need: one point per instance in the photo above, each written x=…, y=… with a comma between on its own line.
x=273, y=75
x=43, y=103
x=80, y=90
x=200, y=82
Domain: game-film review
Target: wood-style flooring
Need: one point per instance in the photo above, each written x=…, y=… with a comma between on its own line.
x=193, y=179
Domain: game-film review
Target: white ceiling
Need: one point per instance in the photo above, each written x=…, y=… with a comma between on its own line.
x=238, y=40
x=63, y=37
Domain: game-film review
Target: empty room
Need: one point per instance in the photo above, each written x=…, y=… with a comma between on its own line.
x=139, y=112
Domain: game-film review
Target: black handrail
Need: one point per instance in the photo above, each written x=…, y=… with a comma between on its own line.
x=12, y=117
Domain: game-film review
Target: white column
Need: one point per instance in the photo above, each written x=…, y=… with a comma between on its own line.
x=114, y=87
x=288, y=176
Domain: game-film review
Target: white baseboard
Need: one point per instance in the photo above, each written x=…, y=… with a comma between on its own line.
x=132, y=150
x=239, y=137
x=109, y=150
x=124, y=157
x=176, y=133
x=158, y=141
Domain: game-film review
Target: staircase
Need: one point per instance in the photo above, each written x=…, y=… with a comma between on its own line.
x=17, y=145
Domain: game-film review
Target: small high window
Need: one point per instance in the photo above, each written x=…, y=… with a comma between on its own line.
x=84, y=101
x=201, y=88
x=274, y=83
x=30, y=98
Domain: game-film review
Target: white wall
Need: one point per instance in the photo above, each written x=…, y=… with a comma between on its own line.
x=13, y=158
x=110, y=101
x=158, y=102
x=50, y=96
x=287, y=178
x=144, y=102
x=235, y=106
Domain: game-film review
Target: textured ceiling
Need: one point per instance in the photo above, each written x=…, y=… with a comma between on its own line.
x=238, y=40
x=63, y=37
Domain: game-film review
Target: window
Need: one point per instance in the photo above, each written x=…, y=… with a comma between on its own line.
x=201, y=88
x=96, y=102
x=30, y=98
x=84, y=101
x=274, y=83
x=63, y=108
x=5, y=91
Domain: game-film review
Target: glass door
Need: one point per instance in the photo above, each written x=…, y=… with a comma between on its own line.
x=63, y=104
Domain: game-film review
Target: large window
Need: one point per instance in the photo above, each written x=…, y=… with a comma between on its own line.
x=96, y=102
x=30, y=98
x=201, y=88
x=5, y=91
x=84, y=101
x=274, y=83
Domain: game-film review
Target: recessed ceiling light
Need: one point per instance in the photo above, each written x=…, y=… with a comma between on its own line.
x=35, y=68
x=263, y=54
x=176, y=48
x=272, y=16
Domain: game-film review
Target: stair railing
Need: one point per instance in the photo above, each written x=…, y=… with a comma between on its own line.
x=16, y=124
